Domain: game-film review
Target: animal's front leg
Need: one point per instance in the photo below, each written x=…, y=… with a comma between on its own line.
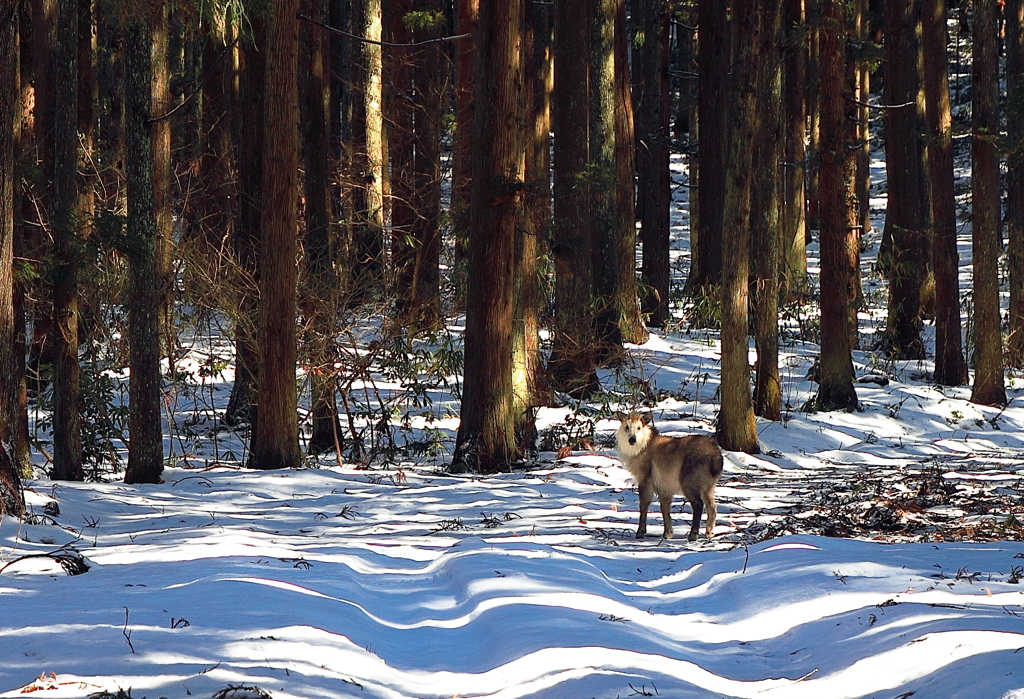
x=646, y=495
x=666, y=513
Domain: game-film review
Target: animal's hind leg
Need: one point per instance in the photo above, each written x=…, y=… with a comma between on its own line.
x=698, y=507
x=709, y=502
x=666, y=513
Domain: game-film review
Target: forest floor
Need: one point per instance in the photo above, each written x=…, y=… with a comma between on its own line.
x=874, y=553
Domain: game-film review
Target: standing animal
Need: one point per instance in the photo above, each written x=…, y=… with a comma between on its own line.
x=664, y=466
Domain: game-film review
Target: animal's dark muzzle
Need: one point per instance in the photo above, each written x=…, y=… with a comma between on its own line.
x=632, y=440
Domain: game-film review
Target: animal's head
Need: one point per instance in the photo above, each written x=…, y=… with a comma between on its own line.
x=634, y=431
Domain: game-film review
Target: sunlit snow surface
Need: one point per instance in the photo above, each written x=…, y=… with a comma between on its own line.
x=231, y=577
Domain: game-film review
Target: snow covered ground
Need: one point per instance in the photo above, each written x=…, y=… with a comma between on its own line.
x=405, y=582
x=869, y=554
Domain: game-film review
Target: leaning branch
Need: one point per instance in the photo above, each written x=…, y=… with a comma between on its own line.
x=878, y=106
x=209, y=73
x=390, y=44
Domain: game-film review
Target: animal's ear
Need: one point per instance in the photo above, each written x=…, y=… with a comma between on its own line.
x=620, y=416
x=646, y=418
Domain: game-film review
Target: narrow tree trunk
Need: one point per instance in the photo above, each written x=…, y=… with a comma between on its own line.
x=145, y=453
x=428, y=81
x=950, y=366
x=988, y=386
x=486, y=438
x=838, y=219
x=1015, y=179
x=573, y=361
x=276, y=434
x=321, y=280
x=907, y=202
x=765, y=219
x=651, y=110
x=12, y=500
x=537, y=84
x=368, y=239
x=862, y=93
x=794, y=212
x=163, y=204
x=604, y=232
x=631, y=326
x=466, y=12
x=812, y=101
x=67, y=432
x=713, y=85
x=401, y=129
x=246, y=240
x=736, y=428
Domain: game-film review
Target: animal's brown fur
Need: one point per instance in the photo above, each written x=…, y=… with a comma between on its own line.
x=665, y=466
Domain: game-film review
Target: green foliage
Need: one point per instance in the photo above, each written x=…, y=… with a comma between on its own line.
x=426, y=21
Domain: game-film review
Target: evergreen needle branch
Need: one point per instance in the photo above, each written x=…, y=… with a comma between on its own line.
x=389, y=44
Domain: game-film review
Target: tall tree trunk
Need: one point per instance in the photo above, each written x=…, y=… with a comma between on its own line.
x=654, y=195
x=276, y=434
x=812, y=100
x=573, y=360
x=401, y=129
x=486, y=439
x=713, y=84
x=67, y=432
x=428, y=87
x=907, y=203
x=368, y=146
x=145, y=454
x=765, y=218
x=838, y=218
x=163, y=204
x=321, y=280
x=631, y=325
x=950, y=366
x=736, y=428
x=988, y=386
x=467, y=12
x=23, y=145
x=862, y=93
x=12, y=500
x=1015, y=180
x=528, y=295
x=794, y=212
x=246, y=239
x=604, y=233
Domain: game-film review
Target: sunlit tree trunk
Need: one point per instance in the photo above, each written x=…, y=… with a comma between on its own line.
x=950, y=366
x=486, y=438
x=12, y=500
x=736, y=428
x=988, y=388
x=838, y=218
x=368, y=156
x=276, y=433
x=794, y=210
x=145, y=457
x=527, y=383
x=466, y=12
x=163, y=205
